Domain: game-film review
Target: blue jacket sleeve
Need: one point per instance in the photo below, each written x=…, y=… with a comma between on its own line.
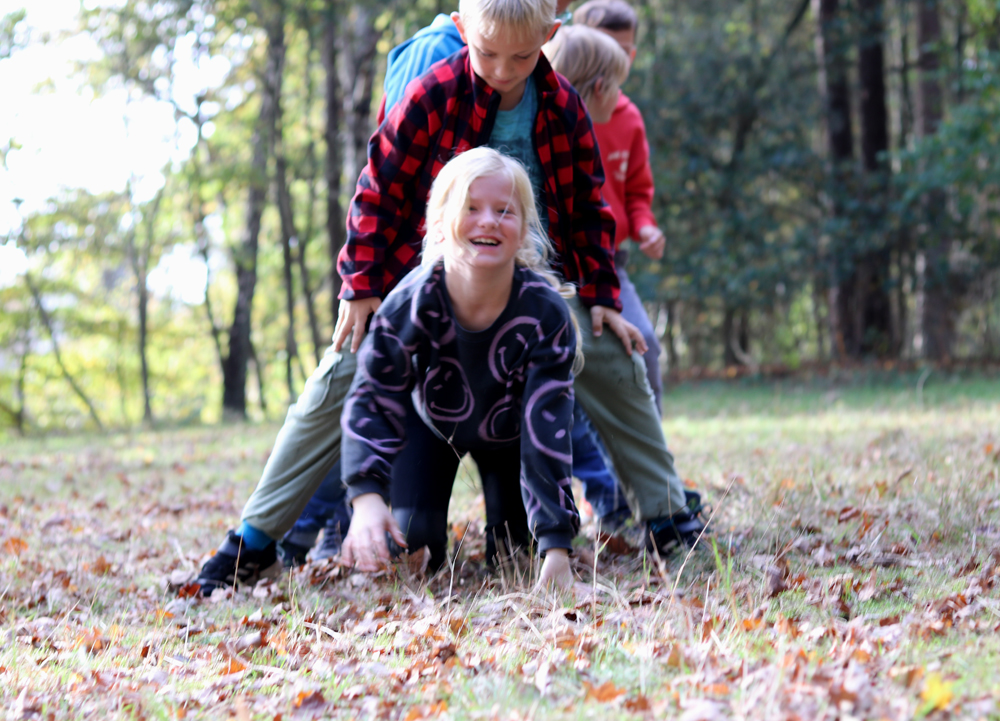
x=411, y=59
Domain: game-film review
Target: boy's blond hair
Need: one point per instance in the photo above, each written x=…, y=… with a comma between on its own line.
x=448, y=205
x=613, y=15
x=584, y=55
x=516, y=18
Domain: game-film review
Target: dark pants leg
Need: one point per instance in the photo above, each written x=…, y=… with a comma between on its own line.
x=326, y=509
x=506, y=520
x=422, y=478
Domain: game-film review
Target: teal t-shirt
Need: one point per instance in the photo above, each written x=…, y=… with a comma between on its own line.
x=513, y=135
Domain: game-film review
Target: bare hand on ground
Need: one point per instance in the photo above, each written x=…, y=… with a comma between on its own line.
x=556, y=572
x=365, y=547
x=353, y=314
x=626, y=332
x=652, y=241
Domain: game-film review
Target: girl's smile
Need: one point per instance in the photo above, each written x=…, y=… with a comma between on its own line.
x=493, y=225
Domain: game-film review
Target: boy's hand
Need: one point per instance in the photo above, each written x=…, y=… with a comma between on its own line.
x=599, y=315
x=353, y=314
x=555, y=570
x=365, y=547
x=652, y=241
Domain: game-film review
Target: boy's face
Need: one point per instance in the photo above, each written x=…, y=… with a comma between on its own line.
x=626, y=39
x=504, y=62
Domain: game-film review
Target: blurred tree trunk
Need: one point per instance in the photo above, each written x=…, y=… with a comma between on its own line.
x=670, y=332
x=865, y=302
x=831, y=47
x=938, y=321
x=735, y=336
x=289, y=236
x=198, y=215
x=19, y=413
x=358, y=78
x=335, y=228
x=306, y=21
x=139, y=260
x=235, y=366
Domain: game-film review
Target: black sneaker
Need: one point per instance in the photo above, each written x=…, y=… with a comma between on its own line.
x=668, y=533
x=234, y=563
x=332, y=541
x=292, y=554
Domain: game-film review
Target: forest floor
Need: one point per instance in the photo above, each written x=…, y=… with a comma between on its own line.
x=854, y=574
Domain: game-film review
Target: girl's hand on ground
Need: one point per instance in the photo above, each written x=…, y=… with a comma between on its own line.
x=556, y=572
x=353, y=314
x=626, y=332
x=365, y=547
x=652, y=241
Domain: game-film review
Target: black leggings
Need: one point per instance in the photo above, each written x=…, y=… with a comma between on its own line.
x=422, y=479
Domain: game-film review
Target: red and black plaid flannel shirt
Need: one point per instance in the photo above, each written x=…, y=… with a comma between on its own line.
x=449, y=110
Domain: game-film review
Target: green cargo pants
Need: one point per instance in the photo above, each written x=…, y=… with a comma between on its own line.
x=612, y=388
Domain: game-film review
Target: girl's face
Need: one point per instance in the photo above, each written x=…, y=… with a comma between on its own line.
x=492, y=229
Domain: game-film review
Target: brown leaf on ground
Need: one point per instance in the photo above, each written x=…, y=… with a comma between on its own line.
x=15, y=546
x=637, y=704
x=232, y=665
x=615, y=544
x=775, y=581
x=101, y=567
x=605, y=693
x=848, y=513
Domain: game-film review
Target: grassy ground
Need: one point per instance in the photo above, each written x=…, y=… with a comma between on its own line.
x=858, y=534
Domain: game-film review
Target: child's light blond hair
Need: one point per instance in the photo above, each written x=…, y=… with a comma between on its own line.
x=448, y=205
x=584, y=55
x=519, y=19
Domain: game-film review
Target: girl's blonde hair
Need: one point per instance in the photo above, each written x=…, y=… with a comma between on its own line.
x=582, y=55
x=448, y=205
x=522, y=19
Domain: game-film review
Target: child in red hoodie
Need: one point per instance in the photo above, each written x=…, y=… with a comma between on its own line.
x=628, y=186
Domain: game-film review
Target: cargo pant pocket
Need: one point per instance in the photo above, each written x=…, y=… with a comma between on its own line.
x=316, y=395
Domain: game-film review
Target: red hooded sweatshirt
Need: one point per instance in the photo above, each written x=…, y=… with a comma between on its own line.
x=628, y=187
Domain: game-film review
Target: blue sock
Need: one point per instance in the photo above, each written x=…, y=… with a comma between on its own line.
x=254, y=539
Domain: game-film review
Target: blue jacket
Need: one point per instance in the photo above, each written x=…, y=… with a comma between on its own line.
x=411, y=59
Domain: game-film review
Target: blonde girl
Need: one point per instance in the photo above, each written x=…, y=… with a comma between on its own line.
x=472, y=353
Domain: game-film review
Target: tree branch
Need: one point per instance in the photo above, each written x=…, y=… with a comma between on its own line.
x=55, y=347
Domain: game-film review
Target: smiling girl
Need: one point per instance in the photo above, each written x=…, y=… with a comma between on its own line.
x=475, y=352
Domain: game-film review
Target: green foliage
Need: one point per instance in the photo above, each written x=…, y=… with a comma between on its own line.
x=11, y=35
x=758, y=223
x=730, y=128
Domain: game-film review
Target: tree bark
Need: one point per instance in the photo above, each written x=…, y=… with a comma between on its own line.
x=306, y=20
x=735, y=336
x=288, y=236
x=831, y=46
x=864, y=297
x=938, y=324
x=335, y=228
x=19, y=414
x=203, y=242
x=235, y=368
x=669, y=333
x=139, y=258
x=358, y=74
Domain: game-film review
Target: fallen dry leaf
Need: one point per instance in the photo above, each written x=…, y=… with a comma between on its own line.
x=605, y=693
